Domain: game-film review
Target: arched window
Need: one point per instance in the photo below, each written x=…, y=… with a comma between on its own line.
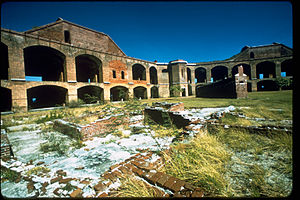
x=251, y=55
x=122, y=74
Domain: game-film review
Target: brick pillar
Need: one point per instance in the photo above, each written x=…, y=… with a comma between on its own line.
x=16, y=70
x=241, y=83
x=253, y=71
x=71, y=69
x=148, y=92
x=19, y=97
x=106, y=91
x=208, y=74
x=277, y=69
x=72, y=94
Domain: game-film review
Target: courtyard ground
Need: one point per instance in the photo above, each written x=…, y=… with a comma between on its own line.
x=221, y=161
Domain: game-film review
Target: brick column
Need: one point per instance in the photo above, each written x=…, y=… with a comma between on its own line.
x=106, y=91
x=19, y=97
x=71, y=69
x=16, y=70
x=277, y=69
x=72, y=94
x=208, y=74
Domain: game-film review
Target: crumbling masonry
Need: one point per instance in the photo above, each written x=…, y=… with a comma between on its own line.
x=59, y=62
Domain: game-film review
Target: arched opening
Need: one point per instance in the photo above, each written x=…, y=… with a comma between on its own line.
x=90, y=94
x=219, y=73
x=140, y=92
x=3, y=61
x=153, y=75
x=286, y=68
x=46, y=63
x=119, y=93
x=265, y=70
x=267, y=85
x=88, y=69
x=5, y=100
x=154, y=92
x=189, y=75
x=138, y=72
x=46, y=96
x=247, y=70
x=200, y=75
x=251, y=55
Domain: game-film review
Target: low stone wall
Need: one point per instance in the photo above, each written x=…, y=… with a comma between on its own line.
x=264, y=130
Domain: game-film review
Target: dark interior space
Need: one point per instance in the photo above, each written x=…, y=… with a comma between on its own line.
x=118, y=93
x=153, y=75
x=138, y=72
x=200, y=75
x=88, y=69
x=5, y=100
x=267, y=69
x=3, y=62
x=140, y=92
x=45, y=62
x=219, y=73
x=90, y=94
x=46, y=96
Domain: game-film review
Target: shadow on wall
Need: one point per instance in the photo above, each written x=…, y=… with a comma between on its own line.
x=220, y=89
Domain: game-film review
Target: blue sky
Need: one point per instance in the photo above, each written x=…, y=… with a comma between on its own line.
x=165, y=31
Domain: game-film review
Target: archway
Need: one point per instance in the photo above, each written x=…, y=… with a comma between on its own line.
x=140, y=92
x=88, y=69
x=118, y=93
x=90, y=94
x=265, y=70
x=3, y=61
x=5, y=100
x=46, y=96
x=267, y=85
x=44, y=62
x=200, y=75
x=138, y=72
x=190, y=90
x=286, y=67
x=154, y=92
x=153, y=75
x=219, y=73
x=189, y=75
x=246, y=67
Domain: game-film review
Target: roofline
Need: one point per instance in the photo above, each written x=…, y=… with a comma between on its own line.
x=71, y=23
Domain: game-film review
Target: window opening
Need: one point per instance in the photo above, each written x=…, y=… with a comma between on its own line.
x=67, y=37
x=114, y=74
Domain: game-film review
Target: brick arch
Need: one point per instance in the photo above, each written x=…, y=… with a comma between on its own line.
x=90, y=93
x=219, y=72
x=88, y=68
x=139, y=72
x=140, y=92
x=44, y=96
x=52, y=60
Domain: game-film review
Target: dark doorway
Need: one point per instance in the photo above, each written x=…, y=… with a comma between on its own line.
x=154, y=92
x=90, y=94
x=46, y=96
x=5, y=99
x=118, y=93
x=153, y=75
x=267, y=85
x=3, y=61
x=140, y=92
